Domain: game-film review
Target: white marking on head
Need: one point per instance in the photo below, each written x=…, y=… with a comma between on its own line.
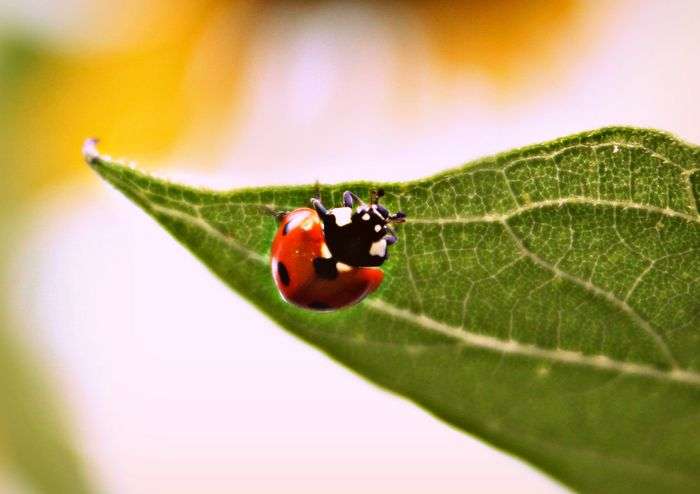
x=377, y=228
x=325, y=252
x=365, y=216
x=342, y=216
x=378, y=248
x=361, y=209
x=342, y=267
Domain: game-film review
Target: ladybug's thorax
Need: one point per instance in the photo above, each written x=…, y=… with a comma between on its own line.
x=354, y=236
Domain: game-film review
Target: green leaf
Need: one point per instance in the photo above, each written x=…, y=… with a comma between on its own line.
x=546, y=299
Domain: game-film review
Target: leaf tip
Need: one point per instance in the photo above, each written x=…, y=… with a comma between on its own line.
x=90, y=152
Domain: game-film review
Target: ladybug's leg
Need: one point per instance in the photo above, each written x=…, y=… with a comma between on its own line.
x=325, y=268
x=320, y=209
x=279, y=215
x=349, y=198
x=317, y=189
x=376, y=195
x=391, y=237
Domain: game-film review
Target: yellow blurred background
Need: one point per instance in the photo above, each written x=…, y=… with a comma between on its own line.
x=124, y=356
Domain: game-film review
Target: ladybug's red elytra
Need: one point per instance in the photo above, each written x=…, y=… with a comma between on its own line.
x=329, y=259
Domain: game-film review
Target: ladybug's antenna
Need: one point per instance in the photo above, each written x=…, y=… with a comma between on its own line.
x=376, y=195
x=397, y=218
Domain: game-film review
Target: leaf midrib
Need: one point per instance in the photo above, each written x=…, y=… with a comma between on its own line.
x=582, y=200
x=459, y=333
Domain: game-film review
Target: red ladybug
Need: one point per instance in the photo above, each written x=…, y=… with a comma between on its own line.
x=328, y=259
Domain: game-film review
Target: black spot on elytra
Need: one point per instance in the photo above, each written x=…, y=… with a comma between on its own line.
x=325, y=268
x=283, y=273
x=319, y=305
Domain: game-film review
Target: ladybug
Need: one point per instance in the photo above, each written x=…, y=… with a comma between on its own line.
x=327, y=259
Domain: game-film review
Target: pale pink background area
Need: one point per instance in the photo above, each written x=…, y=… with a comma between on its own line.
x=176, y=385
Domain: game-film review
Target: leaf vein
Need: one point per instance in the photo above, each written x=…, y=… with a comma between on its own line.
x=500, y=217
x=515, y=347
x=596, y=290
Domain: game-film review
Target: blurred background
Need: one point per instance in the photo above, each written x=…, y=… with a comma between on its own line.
x=125, y=367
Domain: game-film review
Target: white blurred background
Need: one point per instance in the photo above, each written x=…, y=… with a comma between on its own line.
x=171, y=382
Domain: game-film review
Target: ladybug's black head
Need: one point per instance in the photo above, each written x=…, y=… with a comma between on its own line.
x=359, y=234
